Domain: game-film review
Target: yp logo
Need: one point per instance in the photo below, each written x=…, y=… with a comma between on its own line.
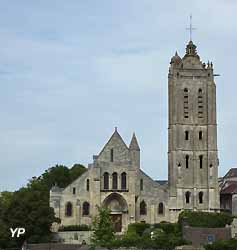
x=17, y=232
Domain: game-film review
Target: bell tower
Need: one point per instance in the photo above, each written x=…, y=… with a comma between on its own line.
x=192, y=134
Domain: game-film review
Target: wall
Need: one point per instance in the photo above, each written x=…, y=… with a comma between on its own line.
x=199, y=236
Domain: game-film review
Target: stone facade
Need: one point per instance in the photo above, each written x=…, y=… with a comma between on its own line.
x=192, y=152
x=115, y=179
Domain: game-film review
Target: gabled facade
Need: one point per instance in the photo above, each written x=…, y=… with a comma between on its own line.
x=113, y=180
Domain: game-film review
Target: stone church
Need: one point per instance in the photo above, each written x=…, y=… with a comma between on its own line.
x=115, y=179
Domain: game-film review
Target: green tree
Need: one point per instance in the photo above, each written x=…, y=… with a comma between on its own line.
x=29, y=206
x=103, y=228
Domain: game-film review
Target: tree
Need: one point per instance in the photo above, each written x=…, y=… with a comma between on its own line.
x=103, y=228
x=29, y=206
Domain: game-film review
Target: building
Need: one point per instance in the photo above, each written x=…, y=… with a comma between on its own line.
x=115, y=179
x=228, y=192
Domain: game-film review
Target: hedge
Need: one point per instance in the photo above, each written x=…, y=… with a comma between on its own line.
x=75, y=228
x=205, y=219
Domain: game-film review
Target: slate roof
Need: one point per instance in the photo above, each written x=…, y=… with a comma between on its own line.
x=230, y=189
x=231, y=173
x=162, y=182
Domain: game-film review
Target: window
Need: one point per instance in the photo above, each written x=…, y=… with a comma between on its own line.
x=187, y=161
x=185, y=103
x=141, y=184
x=143, y=208
x=114, y=181
x=87, y=185
x=106, y=180
x=123, y=181
x=74, y=190
x=111, y=155
x=85, y=208
x=200, y=135
x=68, y=209
x=200, y=161
x=186, y=135
x=200, y=104
x=200, y=196
x=161, y=208
x=187, y=197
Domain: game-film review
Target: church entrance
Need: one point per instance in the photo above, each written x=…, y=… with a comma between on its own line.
x=118, y=211
x=117, y=222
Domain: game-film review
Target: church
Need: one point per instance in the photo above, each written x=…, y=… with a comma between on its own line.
x=115, y=179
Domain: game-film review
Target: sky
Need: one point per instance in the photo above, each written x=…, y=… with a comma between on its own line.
x=70, y=71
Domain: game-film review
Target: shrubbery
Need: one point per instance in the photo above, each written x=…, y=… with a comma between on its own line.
x=205, y=219
x=223, y=245
x=145, y=236
x=138, y=228
x=75, y=228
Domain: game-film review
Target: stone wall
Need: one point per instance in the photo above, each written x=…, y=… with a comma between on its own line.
x=74, y=237
x=201, y=236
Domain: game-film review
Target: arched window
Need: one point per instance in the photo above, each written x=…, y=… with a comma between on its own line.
x=114, y=181
x=68, y=209
x=143, y=208
x=161, y=208
x=111, y=155
x=141, y=184
x=200, y=160
x=187, y=161
x=187, y=197
x=200, y=91
x=74, y=190
x=85, y=208
x=106, y=180
x=87, y=185
x=123, y=181
x=186, y=135
x=200, y=196
x=200, y=135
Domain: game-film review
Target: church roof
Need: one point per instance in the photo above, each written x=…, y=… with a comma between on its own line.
x=162, y=182
x=134, y=144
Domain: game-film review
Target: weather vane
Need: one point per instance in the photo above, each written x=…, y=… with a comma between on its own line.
x=190, y=28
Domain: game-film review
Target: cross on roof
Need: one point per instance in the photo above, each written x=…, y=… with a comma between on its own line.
x=190, y=28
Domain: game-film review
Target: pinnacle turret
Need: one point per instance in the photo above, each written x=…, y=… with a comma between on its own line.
x=134, y=144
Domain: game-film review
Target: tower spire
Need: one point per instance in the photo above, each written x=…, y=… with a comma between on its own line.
x=134, y=144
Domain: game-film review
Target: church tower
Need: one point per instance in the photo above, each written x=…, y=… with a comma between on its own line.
x=192, y=134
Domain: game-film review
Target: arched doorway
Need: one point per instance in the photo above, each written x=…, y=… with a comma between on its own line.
x=118, y=210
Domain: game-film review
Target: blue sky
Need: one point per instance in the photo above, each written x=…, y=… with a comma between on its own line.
x=71, y=71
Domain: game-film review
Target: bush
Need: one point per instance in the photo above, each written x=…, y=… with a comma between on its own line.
x=205, y=219
x=138, y=227
x=168, y=227
x=164, y=236
x=223, y=245
x=75, y=228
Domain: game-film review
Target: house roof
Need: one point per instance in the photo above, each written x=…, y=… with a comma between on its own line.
x=231, y=173
x=231, y=188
